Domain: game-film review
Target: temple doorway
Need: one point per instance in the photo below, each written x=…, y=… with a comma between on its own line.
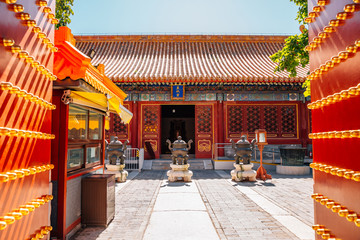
x=177, y=120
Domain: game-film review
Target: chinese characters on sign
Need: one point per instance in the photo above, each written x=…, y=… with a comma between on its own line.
x=177, y=92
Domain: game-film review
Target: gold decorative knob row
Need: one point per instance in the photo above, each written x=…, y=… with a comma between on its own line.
x=10, y=1
x=16, y=49
x=316, y=9
x=41, y=3
x=336, y=207
x=331, y=27
x=341, y=57
x=340, y=172
x=6, y=86
x=41, y=233
x=324, y=232
x=23, y=172
x=35, y=64
x=15, y=7
x=54, y=21
x=50, y=15
x=336, y=134
x=12, y=132
x=23, y=210
x=336, y=97
x=32, y=23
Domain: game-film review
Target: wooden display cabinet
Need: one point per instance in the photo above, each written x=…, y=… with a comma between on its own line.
x=98, y=199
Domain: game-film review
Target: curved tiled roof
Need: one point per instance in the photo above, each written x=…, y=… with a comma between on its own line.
x=191, y=58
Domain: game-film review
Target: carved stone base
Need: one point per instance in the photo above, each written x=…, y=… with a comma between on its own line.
x=243, y=172
x=120, y=174
x=179, y=172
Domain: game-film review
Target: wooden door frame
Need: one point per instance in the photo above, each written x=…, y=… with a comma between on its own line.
x=195, y=103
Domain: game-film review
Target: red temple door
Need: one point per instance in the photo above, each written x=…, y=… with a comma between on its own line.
x=25, y=120
x=150, y=129
x=204, y=130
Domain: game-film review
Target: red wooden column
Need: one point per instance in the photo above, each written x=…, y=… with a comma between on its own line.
x=134, y=126
x=303, y=123
x=220, y=123
x=25, y=118
x=58, y=158
x=336, y=112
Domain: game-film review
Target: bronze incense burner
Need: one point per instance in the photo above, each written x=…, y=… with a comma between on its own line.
x=243, y=150
x=115, y=151
x=179, y=150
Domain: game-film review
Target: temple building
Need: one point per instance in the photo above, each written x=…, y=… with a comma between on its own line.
x=209, y=88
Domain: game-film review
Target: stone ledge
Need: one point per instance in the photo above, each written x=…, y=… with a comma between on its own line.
x=293, y=170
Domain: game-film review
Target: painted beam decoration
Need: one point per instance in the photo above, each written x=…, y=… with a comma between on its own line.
x=177, y=92
x=334, y=44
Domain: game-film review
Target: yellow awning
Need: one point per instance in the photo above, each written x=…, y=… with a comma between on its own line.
x=124, y=114
x=101, y=102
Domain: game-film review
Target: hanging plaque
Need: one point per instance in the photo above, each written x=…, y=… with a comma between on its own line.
x=177, y=92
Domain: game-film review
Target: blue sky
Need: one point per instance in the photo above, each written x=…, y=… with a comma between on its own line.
x=184, y=17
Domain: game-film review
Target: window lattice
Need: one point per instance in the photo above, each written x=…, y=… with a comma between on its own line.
x=253, y=118
x=150, y=119
x=204, y=119
x=270, y=119
x=235, y=119
x=288, y=119
x=119, y=127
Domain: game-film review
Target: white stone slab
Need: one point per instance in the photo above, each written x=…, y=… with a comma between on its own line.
x=228, y=165
x=182, y=225
x=294, y=225
x=300, y=229
x=147, y=165
x=264, y=203
x=178, y=187
x=208, y=164
x=179, y=201
x=293, y=170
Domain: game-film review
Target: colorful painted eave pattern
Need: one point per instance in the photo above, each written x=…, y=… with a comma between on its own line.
x=188, y=58
x=71, y=63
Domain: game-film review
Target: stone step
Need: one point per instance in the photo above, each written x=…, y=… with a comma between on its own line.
x=165, y=164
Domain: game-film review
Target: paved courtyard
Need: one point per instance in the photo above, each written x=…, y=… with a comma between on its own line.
x=209, y=207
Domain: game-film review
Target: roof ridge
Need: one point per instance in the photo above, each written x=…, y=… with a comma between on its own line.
x=182, y=38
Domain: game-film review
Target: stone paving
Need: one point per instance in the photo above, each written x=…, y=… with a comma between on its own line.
x=134, y=204
x=234, y=213
x=292, y=193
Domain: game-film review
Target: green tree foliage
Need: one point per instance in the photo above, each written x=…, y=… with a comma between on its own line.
x=293, y=54
x=63, y=12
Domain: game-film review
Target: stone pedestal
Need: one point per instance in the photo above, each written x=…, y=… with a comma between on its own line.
x=118, y=170
x=243, y=172
x=293, y=170
x=179, y=172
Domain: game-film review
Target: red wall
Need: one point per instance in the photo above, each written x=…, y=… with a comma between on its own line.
x=18, y=152
x=338, y=116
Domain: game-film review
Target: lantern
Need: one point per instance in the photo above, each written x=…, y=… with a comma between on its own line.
x=261, y=136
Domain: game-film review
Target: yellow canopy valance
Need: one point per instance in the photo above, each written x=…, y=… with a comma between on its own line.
x=102, y=102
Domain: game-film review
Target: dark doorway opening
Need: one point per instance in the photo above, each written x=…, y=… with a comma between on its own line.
x=177, y=120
